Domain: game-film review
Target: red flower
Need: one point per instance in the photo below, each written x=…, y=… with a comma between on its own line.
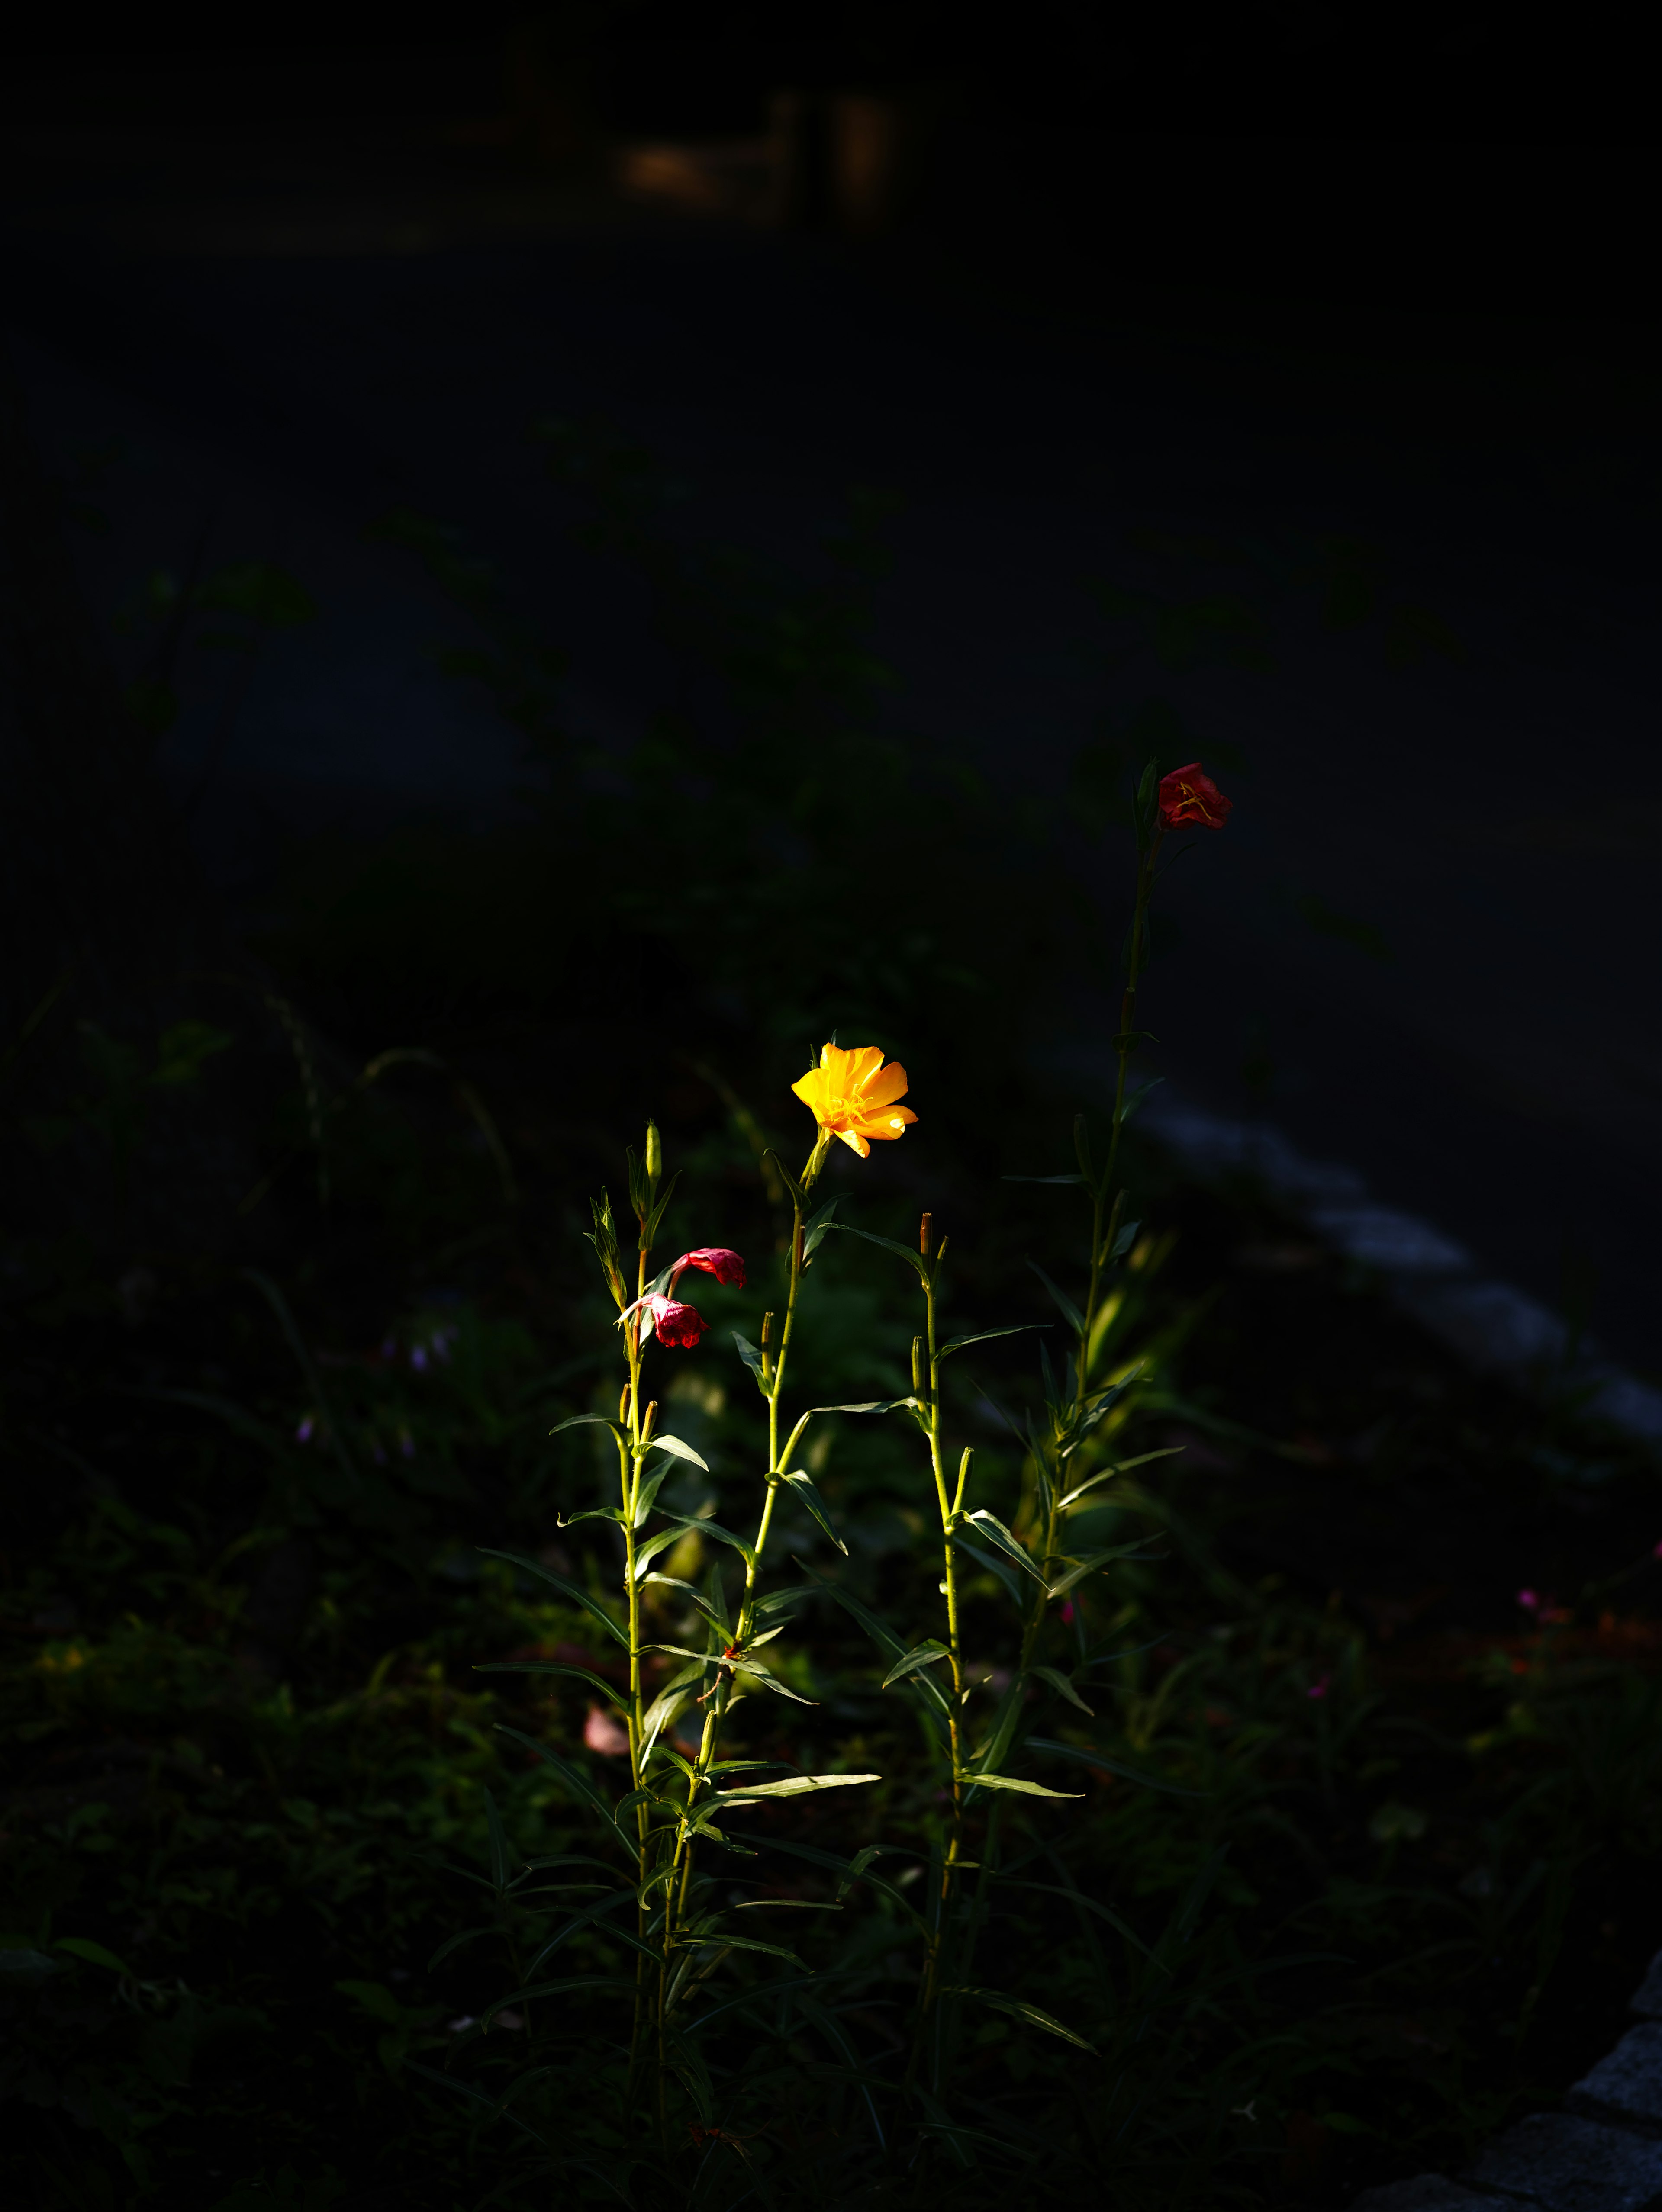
x=715, y=1259
x=1189, y=799
x=676, y=1324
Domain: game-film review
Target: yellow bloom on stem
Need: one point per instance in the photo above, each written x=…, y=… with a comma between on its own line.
x=852, y=1095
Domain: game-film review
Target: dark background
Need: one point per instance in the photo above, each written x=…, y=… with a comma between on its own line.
x=1190, y=301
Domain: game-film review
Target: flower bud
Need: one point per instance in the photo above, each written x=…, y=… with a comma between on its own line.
x=655, y=1153
x=923, y=1235
x=917, y=1367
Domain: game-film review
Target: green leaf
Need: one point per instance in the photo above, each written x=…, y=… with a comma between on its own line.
x=555, y=1667
x=566, y=1589
x=813, y=1234
x=1094, y=1560
x=677, y=1451
x=674, y=1582
x=871, y=1406
x=912, y=1259
x=803, y=1486
x=752, y=1358
x=986, y=1335
x=82, y=1946
x=1015, y=1782
x=662, y=1539
x=989, y=1526
x=741, y=1943
x=771, y=1682
x=794, y=1785
x=1070, y=1313
x=1018, y=2008
x=650, y=1485
x=1123, y=1244
x=989, y=1563
x=1100, y=1760
x=595, y=1513
x=921, y=1655
x=1059, y=1682
x=590, y=1421
x=884, y=1638
x=714, y=1528
x=804, y=1203
x=1120, y=1466
x=575, y=1781
x=1090, y=1904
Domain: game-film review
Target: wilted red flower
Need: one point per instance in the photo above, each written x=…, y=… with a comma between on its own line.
x=1189, y=799
x=677, y=1324
x=715, y=1259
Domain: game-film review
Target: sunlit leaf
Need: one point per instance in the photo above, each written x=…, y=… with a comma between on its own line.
x=1018, y=2008
x=921, y=1655
x=986, y=1336
x=795, y=1785
x=803, y=1486
x=1015, y=1782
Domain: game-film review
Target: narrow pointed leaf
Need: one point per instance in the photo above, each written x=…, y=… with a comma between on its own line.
x=986, y=1335
x=912, y=1259
x=1097, y=1758
x=989, y=1562
x=804, y=1203
x=795, y=1785
x=1015, y=1782
x=679, y=1450
x=741, y=1943
x=617, y=1697
x=1070, y=1313
x=870, y=1405
x=801, y=1486
x=594, y=1513
x=1120, y=1466
x=921, y=1655
x=815, y=1230
x=1126, y=1238
x=662, y=1539
x=499, y=1853
x=993, y=1529
x=650, y=1485
x=1094, y=1561
x=1059, y=1682
x=674, y=1582
x=714, y=1528
x=589, y=1420
x=576, y=1781
x=1018, y=2008
x=752, y=1358
x=569, y=1590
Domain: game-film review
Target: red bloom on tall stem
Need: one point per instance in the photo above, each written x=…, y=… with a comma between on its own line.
x=1189, y=799
x=715, y=1259
x=678, y=1325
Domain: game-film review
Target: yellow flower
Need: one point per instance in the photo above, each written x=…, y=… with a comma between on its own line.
x=852, y=1095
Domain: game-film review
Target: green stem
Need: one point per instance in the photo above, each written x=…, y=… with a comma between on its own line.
x=678, y=1890
x=930, y=1985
